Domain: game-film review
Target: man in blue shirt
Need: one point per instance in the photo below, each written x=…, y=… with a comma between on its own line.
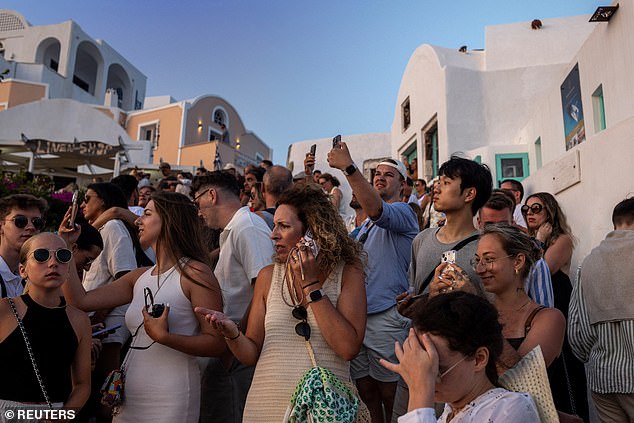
x=387, y=239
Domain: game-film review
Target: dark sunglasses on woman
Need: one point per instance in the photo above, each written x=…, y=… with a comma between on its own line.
x=535, y=208
x=21, y=221
x=62, y=255
x=302, y=328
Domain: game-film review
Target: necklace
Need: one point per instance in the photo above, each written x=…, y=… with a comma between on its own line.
x=289, y=282
x=516, y=310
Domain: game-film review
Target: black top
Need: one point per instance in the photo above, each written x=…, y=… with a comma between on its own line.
x=54, y=345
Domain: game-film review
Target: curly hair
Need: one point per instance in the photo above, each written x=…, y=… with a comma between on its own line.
x=330, y=178
x=467, y=322
x=554, y=215
x=316, y=212
x=181, y=233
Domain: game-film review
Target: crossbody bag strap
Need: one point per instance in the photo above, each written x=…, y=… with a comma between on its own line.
x=30, y=350
x=311, y=353
x=456, y=247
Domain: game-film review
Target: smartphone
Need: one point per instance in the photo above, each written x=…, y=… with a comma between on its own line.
x=310, y=242
x=109, y=330
x=73, y=211
x=313, y=149
x=336, y=142
x=448, y=257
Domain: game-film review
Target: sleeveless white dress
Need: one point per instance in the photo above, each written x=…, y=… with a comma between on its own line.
x=162, y=384
x=284, y=358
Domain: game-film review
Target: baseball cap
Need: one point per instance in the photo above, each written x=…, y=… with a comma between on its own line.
x=396, y=165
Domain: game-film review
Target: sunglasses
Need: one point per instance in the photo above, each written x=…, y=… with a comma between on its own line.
x=535, y=208
x=302, y=328
x=21, y=221
x=62, y=255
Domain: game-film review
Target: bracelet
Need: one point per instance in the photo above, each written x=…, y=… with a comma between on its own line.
x=234, y=338
x=310, y=284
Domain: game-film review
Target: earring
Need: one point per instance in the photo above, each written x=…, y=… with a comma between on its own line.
x=517, y=271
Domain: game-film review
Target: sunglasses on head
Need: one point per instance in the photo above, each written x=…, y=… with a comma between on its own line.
x=62, y=255
x=21, y=221
x=302, y=328
x=535, y=208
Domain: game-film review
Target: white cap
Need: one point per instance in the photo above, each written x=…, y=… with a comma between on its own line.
x=396, y=165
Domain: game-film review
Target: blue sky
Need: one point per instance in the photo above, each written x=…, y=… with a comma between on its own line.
x=294, y=70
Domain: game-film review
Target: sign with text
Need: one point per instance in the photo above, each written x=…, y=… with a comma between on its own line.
x=83, y=148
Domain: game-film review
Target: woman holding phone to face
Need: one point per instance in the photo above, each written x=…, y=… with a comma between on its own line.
x=300, y=297
x=162, y=377
x=59, y=335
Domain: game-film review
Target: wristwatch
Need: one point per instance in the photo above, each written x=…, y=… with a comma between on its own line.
x=315, y=295
x=350, y=169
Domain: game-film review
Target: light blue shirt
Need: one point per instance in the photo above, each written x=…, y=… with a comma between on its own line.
x=539, y=285
x=388, y=244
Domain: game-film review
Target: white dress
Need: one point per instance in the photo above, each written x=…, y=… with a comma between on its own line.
x=162, y=384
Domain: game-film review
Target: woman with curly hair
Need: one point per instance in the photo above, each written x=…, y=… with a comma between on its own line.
x=323, y=289
x=162, y=377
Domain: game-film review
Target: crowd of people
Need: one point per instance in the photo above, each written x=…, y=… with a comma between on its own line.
x=217, y=294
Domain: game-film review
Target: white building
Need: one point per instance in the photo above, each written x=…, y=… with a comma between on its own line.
x=553, y=107
x=366, y=150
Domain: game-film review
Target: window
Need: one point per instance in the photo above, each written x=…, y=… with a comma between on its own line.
x=149, y=131
x=538, y=152
x=598, y=108
x=214, y=135
x=219, y=117
x=511, y=166
x=259, y=157
x=478, y=159
x=54, y=65
x=430, y=136
x=405, y=110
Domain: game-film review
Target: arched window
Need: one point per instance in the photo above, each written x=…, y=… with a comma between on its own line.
x=220, y=117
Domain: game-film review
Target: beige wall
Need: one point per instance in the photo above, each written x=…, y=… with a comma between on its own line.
x=169, y=131
x=192, y=155
x=15, y=93
x=201, y=111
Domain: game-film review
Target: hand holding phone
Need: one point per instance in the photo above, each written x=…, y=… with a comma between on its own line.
x=73, y=211
x=336, y=141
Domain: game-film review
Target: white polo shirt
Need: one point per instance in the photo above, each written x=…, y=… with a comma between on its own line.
x=245, y=248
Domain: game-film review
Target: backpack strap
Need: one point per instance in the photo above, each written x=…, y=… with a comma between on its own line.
x=456, y=247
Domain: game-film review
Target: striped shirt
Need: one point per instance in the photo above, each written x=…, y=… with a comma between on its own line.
x=539, y=285
x=606, y=347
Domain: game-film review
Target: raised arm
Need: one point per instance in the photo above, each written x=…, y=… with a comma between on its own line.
x=115, y=213
x=367, y=196
x=201, y=288
x=559, y=253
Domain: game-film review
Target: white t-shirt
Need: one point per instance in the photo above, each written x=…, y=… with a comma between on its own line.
x=117, y=256
x=245, y=248
x=518, y=217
